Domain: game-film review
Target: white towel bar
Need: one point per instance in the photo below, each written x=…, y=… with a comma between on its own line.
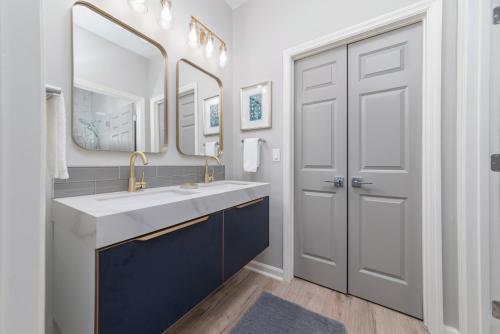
x=52, y=91
x=262, y=141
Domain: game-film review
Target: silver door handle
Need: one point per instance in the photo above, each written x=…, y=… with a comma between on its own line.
x=357, y=182
x=338, y=181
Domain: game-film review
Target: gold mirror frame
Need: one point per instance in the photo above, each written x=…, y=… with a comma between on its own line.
x=122, y=24
x=221, y=95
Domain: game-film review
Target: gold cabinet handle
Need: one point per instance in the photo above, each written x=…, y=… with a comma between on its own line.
x=244, y=205
x=172, y=229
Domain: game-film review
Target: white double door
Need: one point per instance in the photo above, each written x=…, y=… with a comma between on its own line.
x=358, y=169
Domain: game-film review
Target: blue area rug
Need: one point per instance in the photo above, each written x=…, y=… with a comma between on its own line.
x=273, y=315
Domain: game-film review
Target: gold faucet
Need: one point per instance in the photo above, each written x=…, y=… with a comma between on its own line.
x=133, y=185
x=210, y=178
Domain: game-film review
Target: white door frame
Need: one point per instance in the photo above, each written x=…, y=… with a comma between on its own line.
x=154, y=124
x=429, y=12
x=473, y=170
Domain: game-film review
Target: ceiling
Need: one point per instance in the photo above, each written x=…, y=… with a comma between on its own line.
x=235, y=3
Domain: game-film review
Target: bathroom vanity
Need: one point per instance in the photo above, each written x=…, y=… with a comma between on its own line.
x=136, y=263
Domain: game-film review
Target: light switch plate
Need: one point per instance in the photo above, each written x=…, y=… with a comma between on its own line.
x=276, y=154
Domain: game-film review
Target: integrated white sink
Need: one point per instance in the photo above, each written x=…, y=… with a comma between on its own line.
x=224, y=184
x=161, y=194
x=106, y=219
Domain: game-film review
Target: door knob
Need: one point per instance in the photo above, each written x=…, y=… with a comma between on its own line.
x=357, y=182
x=338, y=181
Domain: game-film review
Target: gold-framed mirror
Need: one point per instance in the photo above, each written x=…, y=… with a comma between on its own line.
x=199, y=111
x=119, y=85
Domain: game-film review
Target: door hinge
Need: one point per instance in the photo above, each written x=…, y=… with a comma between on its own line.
x=495, y=307
x=496, y=15
x=495, y=162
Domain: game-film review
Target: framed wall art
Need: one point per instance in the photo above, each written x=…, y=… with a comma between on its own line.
x=256, y=106
x=211, y=115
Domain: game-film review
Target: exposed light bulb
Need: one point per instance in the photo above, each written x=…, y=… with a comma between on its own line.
x=165, y=20
x=209, y=48
x=223, y=56
x=193, y=35
x=138, y=6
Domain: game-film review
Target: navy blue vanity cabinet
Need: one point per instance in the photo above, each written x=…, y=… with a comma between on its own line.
x=246, y=234
x=146, y=284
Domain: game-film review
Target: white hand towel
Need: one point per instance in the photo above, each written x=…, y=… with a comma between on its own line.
x=251, y=155
x=211, y=148
x=56, y=138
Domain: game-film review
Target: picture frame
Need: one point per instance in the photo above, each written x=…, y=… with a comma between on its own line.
x=211, y=115
x=256, y=106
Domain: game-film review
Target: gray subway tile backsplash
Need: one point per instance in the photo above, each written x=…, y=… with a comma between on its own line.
x=98, y=180
x=71, y=189
x=170, y=171
x=79, y=174
x=149, y=171
x=110, y=186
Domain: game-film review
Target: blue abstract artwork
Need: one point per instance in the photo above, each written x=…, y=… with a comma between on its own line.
x=255, y=107
x=214, y=115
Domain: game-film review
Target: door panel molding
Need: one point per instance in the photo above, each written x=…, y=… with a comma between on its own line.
x=315, y=117
x=429, y=12
x=316, y=237
x=397, y=52
x=395, y=157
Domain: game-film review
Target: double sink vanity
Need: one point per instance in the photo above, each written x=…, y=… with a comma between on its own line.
x=137, y=262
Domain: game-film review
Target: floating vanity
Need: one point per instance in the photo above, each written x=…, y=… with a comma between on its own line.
x=137, y=262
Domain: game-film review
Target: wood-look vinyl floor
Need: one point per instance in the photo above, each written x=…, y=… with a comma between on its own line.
x=221, y=311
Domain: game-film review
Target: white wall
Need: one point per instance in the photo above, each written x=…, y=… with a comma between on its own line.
x=22, y=168
x=262, y=29
x=215, y=13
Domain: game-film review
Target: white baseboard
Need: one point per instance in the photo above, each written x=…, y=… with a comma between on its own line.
x=266, y=270
x=450, y=330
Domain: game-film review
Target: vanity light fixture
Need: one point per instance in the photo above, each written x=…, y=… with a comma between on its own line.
x=138, y=6
x=193, y=35
x=165, y=20
x=200, y=34
x=223, y=55
x=209, y=47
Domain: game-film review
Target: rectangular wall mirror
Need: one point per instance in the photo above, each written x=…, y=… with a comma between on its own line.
x=119, y=85
x=200, y=111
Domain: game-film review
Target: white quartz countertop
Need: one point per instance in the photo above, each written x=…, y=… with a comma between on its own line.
x=106, y=219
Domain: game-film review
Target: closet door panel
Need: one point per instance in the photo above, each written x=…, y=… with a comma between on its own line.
x=320, y=157
x=385, y=152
